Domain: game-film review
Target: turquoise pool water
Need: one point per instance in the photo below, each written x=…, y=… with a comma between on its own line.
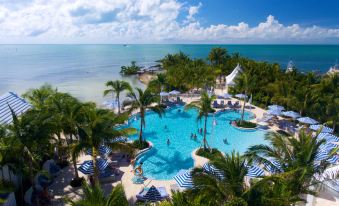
x=163, y=161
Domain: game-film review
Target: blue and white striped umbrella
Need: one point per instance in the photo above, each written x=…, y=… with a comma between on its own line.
x=87, y=166
x=255, y=171
x=227, y=96
x=291, y=114
x=164, y=94
x=103, y=150
x=241, y=96
x=152, y=195
x=324, y=129
x=328, y=137
x=274, y=112
x=277, y=167
x=184, y=178
x=119, y=139
x=276, y=107
x=174, y=92
x=327, y=147
x=334, y=159
x=307, y=120
x=209, y=168
x=110, y=104
x=321, y=155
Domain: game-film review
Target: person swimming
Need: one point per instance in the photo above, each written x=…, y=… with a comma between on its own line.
x=138, y=170
x=168, y=141
x=192, y=135
x=225, y=141
x=195, y=137
x=165, y=126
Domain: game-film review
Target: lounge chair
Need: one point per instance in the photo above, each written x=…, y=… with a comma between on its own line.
x=107, y=176
x=229, y=104
x=237, y=104
x=215, y=104
x=222, y=104
x=152, y=194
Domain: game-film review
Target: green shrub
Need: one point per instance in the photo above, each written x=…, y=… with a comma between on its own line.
x=208, y=153
x=140, y=145
x=245, y=124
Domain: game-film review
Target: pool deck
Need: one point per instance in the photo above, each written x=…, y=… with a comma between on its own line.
x=61, y=187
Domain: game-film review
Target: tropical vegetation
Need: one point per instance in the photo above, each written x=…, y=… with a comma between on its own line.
x=115, y=88
x=130, y=70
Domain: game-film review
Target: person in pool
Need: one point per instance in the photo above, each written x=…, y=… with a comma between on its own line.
x=138, y=170
x=168, y=141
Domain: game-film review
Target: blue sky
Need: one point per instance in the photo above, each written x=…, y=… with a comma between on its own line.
x=304, y=12
x=170, y=21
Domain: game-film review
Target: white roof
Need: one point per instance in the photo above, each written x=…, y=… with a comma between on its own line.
x=235, y=73
x=12, y=100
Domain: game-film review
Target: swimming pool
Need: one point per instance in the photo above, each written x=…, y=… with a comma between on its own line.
x=163, y=161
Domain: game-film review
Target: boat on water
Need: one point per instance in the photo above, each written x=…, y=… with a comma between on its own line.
x=333, y=69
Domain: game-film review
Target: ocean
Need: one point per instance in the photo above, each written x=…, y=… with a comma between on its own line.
x=82, y=70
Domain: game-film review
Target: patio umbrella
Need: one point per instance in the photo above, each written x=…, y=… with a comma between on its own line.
x=152, y=195
x=174, y=92
x=164, y=94
x=119, y=139
x=329, y=137
x=307, y=120
x=110, y=104
x=321, y=155
x=317, y=127
x=241, y=96
x=277, y=167
x=255, y=171
x=209, y=168
x=334, y=159
x=87, y=166
x=291, y=114
x=227, y=96
x=327, y=147
x=276, y=107
x=103, y=150
x=184, y=179
x=274, y=112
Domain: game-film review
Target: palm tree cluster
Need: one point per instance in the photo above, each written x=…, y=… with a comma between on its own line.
x=58, y=126
x=293, y=180
x=310, y=93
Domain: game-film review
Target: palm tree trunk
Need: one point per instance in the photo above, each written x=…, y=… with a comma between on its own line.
x=94, y=159
x=140, y=133
x=118, y=99
x=74, y=160
x=205, y=131
x=243, y=110
x=31, y=175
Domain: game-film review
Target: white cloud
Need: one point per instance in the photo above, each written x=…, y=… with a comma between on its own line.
x=137, y=21
x=193, y=10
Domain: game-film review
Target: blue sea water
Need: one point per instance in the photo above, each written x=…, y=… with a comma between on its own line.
x=83, y=69
x=164, y=161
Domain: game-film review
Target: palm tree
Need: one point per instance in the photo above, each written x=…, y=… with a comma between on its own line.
x=143, y=100
x=94, y=196
x=39, y=97
x=296, y=157
x=99, y=127
x=217, y=56
x=230, y=188
x=116, y=87
x=243, y=84
x=204, y=107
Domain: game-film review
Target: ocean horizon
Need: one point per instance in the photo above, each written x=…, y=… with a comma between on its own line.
x=83, y=69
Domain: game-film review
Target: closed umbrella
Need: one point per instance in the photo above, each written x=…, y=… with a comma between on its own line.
x=307, y=120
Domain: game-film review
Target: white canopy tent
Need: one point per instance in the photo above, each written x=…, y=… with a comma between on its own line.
x=230, y=79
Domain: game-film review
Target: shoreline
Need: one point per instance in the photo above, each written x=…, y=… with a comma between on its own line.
x=146, y=77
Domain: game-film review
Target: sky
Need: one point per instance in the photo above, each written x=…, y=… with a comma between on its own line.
x=169, y=21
